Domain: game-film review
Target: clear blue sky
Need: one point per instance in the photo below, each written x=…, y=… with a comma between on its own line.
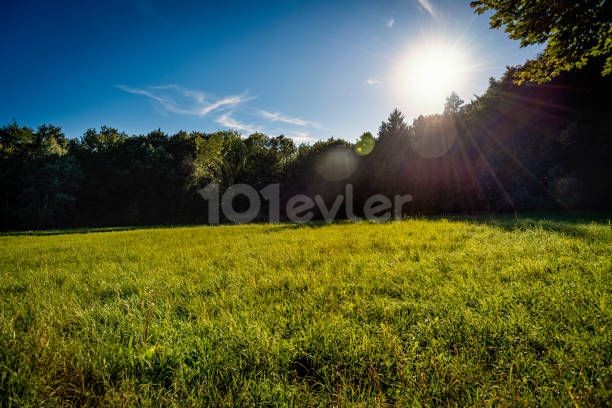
x=310, y=69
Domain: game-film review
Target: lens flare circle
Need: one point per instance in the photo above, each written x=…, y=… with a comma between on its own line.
x=336, y=164
x=365, y=146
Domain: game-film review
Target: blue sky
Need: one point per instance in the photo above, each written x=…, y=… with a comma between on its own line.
x=309, y=70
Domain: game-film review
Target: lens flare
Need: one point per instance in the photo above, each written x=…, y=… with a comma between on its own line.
x=434, y=137
x=336, y=164
x=365, y=146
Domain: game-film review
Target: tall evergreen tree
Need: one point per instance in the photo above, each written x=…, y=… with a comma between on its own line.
x=395, y=127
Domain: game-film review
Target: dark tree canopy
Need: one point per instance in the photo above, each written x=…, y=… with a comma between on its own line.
x=574, y=31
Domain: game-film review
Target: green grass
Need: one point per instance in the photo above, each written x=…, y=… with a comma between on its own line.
x=430, y=312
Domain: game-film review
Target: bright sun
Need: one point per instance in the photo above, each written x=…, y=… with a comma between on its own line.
x=430, y=73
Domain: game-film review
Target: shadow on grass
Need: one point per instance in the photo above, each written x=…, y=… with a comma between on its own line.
x=572, y=224
x=88, y=230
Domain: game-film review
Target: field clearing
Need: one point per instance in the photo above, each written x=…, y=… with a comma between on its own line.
x=404, y=313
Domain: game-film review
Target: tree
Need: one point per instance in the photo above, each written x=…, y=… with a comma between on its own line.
x=394, y=128
x=574, y=31
x=391, y=151
x=453, y=104
x=39, y=178
x=365, y=144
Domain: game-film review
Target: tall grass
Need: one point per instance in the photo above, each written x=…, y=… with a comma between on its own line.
x=405, y=313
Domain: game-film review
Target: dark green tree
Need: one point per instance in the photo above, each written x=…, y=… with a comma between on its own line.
x=39, y=178
x=394, y=128
x=574, y=31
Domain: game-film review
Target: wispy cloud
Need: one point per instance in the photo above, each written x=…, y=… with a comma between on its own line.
x=229, y=111
x=228, y=121
x=195, y=94
x=390, y=23
x=428, y=7
x=279, y=117
x=372, y=81
x=183, y=101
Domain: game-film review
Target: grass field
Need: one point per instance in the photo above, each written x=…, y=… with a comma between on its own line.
x=425, y=312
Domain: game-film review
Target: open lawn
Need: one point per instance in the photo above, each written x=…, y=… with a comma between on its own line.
x=447, y=312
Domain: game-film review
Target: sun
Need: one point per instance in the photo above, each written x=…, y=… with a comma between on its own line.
x=430, y=72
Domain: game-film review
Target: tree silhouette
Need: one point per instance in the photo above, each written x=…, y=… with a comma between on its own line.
x=395, y=127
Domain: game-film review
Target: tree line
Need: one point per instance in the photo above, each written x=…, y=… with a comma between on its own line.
x=528, y=147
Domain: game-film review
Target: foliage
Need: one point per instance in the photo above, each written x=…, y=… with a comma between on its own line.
x=393, y=128
x=39, y=180
x=574, y=31
x=453, y=104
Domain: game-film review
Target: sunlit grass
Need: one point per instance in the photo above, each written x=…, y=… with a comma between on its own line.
x=440, y=312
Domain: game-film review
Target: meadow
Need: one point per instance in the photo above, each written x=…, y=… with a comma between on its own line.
x=473, y=311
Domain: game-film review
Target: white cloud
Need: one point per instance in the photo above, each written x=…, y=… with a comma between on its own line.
x=279, y=117
x=183, y=101
x=303, y=137
x=428, y=7
x=372, y=81
x=390, y=23
x=228, y=121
